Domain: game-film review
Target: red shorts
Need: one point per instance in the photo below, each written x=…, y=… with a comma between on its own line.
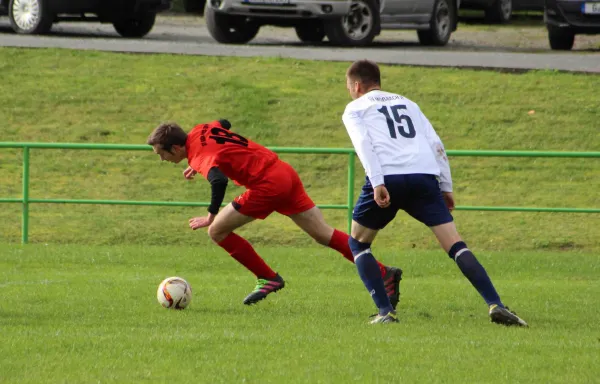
x=281, y=191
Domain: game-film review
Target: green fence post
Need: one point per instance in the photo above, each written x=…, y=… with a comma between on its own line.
x=25, y=220
x=350, y=189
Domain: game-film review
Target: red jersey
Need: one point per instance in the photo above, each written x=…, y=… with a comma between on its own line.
x=241, y=160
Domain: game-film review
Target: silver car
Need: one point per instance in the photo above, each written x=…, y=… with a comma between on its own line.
x=344, y=22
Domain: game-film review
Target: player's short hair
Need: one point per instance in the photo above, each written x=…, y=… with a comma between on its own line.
x=166, y=135
x=365, y=71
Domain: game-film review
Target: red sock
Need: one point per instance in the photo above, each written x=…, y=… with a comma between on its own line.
x=339, y=242
x=241, y=250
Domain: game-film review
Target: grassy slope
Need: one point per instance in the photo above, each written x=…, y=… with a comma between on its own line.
x=68, y=96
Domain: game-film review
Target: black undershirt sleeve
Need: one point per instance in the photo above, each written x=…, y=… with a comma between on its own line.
x=218, y=184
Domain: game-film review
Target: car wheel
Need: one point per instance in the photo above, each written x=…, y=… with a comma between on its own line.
x=30, y=16
x=229, y=29
x=310, y=32
x=440, y=26
x=358, y=28
x=560, y=39
x=499, y=12
x=136, y=25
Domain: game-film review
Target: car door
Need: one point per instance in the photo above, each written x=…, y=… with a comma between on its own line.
x=397, y=11
x=423, y=10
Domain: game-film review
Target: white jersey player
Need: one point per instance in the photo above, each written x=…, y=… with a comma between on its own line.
x=383, y=127
x=407, y=169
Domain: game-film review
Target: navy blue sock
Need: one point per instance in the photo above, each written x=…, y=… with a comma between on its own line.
x=475, y=272
x=369, y=272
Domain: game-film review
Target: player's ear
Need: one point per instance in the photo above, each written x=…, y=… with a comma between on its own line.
x=225, y=123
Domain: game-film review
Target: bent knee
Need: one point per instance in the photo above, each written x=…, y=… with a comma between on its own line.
x=216, y=234
x=322, y=234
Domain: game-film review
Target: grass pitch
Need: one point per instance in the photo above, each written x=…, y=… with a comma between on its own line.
x=78, y=314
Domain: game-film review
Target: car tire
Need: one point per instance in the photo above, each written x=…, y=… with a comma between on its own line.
x=358, y=28
x=311, y=33
x=499, y=12
x=229, y=29
x=135, y=26
x=30, y=17
x=440, y=26
x=560, y=39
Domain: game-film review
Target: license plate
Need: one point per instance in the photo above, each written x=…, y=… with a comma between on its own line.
x=590, y=8
x=267, y=2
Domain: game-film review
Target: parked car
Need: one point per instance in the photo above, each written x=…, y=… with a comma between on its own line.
x=344, y=22
x=500, y=11
x=566, y=18
x=130, y=18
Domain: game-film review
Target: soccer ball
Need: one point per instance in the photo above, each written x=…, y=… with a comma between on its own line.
x=174, y=293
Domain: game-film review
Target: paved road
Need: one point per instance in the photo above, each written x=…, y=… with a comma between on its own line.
x=188, y=36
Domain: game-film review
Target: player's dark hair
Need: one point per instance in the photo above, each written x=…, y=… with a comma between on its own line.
x=365, y=71
x=167, y=135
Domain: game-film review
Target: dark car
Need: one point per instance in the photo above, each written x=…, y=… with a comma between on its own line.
x=500, y=11
x=566, y=18
x=343, y=22
x=131, y=18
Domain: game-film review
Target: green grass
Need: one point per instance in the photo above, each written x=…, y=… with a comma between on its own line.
x=86, y=312
x=79, y=314
x=70, y=96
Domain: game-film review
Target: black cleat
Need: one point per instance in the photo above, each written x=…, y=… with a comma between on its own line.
x=504, y=316
x=263, y=288
x=391, y=280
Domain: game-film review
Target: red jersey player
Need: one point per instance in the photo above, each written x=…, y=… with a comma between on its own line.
x=272, y=185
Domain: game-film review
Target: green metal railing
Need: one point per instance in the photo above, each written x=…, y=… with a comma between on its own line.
x=26, y=200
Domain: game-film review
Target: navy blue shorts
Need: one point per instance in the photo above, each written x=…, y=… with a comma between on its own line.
x=419, y=195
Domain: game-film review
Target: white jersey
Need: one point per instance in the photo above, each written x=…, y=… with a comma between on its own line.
x=392, y=136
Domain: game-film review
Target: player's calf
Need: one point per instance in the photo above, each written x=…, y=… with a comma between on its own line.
x=474, y=272
x=339, y=241
x=243, y=252
x=370, y=274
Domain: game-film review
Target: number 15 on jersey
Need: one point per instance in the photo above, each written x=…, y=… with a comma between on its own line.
x=405, y=126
